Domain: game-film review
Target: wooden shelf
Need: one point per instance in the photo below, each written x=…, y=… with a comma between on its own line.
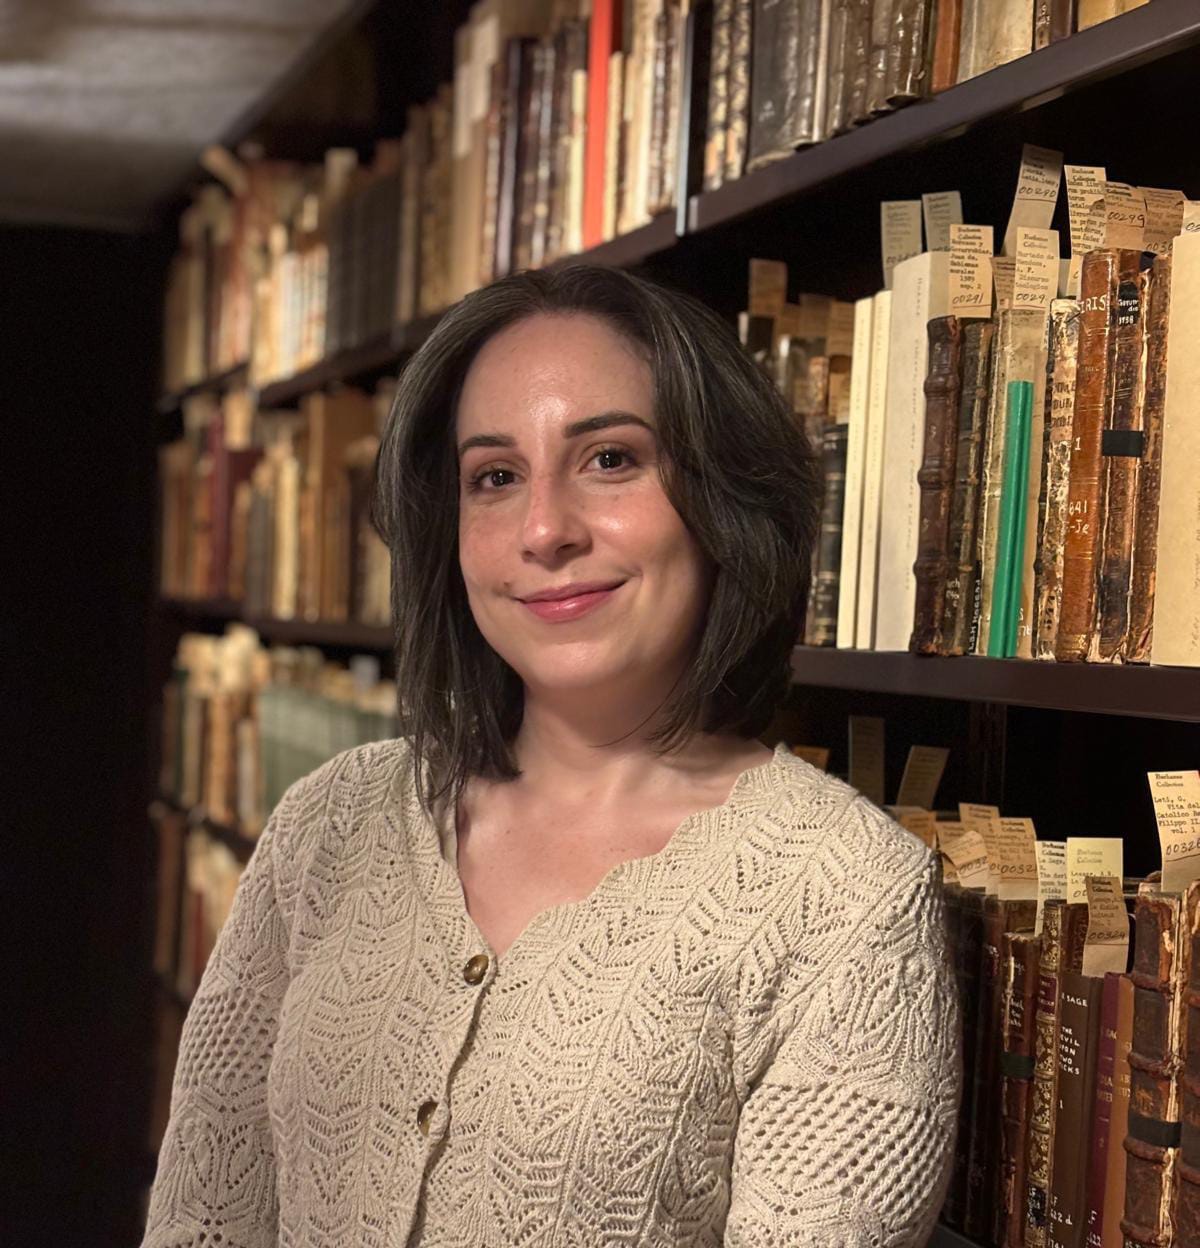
x=1114, y=47
x=1102, y=689
x=173, y=401
x=347, y=634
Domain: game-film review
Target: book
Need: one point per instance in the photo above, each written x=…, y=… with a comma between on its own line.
x=721, y=46
x=1113, y=1194
x=737, y=116
x=829, y=544
x=1010, y=529
x=783, y=79
x=1020, y=958
x=935, y=479
x=856, y=450
x=907, y=43
x=1187, y=1173
x=947, y=29
x=604, y=36
x=877, y=386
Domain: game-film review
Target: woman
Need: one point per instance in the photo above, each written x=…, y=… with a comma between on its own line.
x=577, y=961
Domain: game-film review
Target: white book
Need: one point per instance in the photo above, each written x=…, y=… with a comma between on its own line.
x=872, y=487
x=856, y=447
x=1176, y=637
x=920, y=292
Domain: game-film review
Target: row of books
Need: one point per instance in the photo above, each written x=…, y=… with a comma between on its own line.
x=271, y=509
x=241, y=722
x=1012, y=485
x=1076, y=1085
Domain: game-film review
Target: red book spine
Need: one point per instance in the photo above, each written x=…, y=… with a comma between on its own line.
x=603, y=39
x=1106, y=1058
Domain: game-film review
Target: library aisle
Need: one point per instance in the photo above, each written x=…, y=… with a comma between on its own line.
x=934, y=448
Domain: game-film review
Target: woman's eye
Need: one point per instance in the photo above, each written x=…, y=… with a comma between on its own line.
x=611, y=458
x=491, y=479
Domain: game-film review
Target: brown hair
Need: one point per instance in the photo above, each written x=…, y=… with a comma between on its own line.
x=735, y=465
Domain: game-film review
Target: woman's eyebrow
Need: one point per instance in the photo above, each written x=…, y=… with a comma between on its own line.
x=590, y=424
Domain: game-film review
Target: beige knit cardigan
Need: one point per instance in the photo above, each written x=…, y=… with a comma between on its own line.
x=749, y=1038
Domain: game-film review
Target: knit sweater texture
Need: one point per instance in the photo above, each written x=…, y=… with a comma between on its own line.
x=749, y=1038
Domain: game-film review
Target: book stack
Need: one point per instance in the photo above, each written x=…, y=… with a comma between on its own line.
x=1015, y=482
x=271, y=510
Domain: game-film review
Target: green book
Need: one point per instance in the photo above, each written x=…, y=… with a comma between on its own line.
x=1010, y=537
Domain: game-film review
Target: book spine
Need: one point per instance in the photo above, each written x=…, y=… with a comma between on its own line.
x=1187, y=1210
x=658, y=115
x=1093, y=398
x=1010, y=530
x=1062, y=19
x=783, y=81
x=1121, y=452
x=908, y=43
x=936, y=481
x=868, y=564
x=835, y=100
x=829, y=544
x=948, y=24
x=738, y=104
x=882, y=33
x=1102, y=1108
x=856, y=446
x=858, y=51
x=1153, y=1133
x=718, y=94
x=1145, y=533
x=978, y=337
x=1062, y=358
x=1114, y=1176
x=1022, y=955
x=603, y=40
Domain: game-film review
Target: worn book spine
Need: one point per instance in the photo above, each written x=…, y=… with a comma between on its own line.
x=718, y=94
x=1022, y=957
x=1004, y=33
x=1093, y=12
x=544, y=166
x=908, y=51
x=829, y=544
x=737, y=123
x=1114, y=1174
x=1010, y=527
x=1145, y=523
x=839, y=43
x=943, y=71
x=1041, y=23
x=966, y=964
x=983, y=1171
x=1061, y=360
x=1153, y=1134
x=1102, y=1110
x=1078, y=1037
x=858, y=53
x=1093, y=399
x=1121, y=452
x=978, y=336
x=783, y=84
x=936, y=481
x=1187, y=1209
x=883, y=13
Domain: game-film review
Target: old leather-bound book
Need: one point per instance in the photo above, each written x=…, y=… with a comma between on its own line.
x=966, y=966
x=718, y=93
x=829, y=543
x=1187, y=1207
x=983, y=1171
x=1061, y=360
x=907, y=51
x=783, y=78
x=835, y=75
x=943, y=71
x=858, y=51
x=1093, y=399
x=961, y=554
x=1107, y=1119
x=1153, y=1135
x=737, y=117
x=1078, y=1042
x=1022, y=957
x=936, y=480
x=1063, y=928
x=881, y=33
x=1145, y=530
x=1052, y=20
x=1121, y=453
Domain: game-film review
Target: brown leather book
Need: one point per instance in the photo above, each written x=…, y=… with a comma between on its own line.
x=983, y=1170
x=1187, y=1206
x=718, y=93
x=961, y=555
x=829, y=543
x=737, y=122
x=1061, y=361
x=783, y=82
x=1093, y=400
x=1153, y=1135
x=1078, y=1042
x=936, y=480
x=527, y=173
x=908, y=51
x=1063, y=928
x=1102, y=1109
x=1021, y=958
x=658, y=111
x=1121, y=453
x=544, y=164
x=947, y=24
x=1114, y=1177
x=1062, y=19
x=1145, y=531
x=966, y=967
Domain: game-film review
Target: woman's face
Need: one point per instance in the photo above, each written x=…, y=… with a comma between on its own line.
x=580, y=573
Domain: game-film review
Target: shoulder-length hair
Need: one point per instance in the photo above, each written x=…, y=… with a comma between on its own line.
x=734, y=463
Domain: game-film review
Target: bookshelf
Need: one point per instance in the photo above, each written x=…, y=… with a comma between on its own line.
x=1072, y=92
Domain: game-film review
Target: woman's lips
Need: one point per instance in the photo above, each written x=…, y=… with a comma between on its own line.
x=560, y=610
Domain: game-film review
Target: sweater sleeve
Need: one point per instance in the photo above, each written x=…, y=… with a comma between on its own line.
x=215, y=1181
x=846, y=1137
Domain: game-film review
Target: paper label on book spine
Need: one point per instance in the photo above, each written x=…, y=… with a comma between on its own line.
x=1016, y=842
x=1164, y=218
x=1035, y=276
x=922, y=775
x=1125, y=216
x=900, y=229
x=1037, y=192
x=1052, y=875
x=1085, y=204
x=942, y=211
x=967, y=850
x=985, y=820
x=971, y=270
x=768, y=287
x=866, y=756
x=1004, y=275
x=1092, y=855
x=1176, y=797
x=817, y=755
x=1106, y=945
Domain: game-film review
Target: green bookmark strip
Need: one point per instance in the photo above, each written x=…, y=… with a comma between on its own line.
x=1010, y=540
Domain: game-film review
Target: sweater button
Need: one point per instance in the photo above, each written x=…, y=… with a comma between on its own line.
x=424, y=1114
x=476, y=968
